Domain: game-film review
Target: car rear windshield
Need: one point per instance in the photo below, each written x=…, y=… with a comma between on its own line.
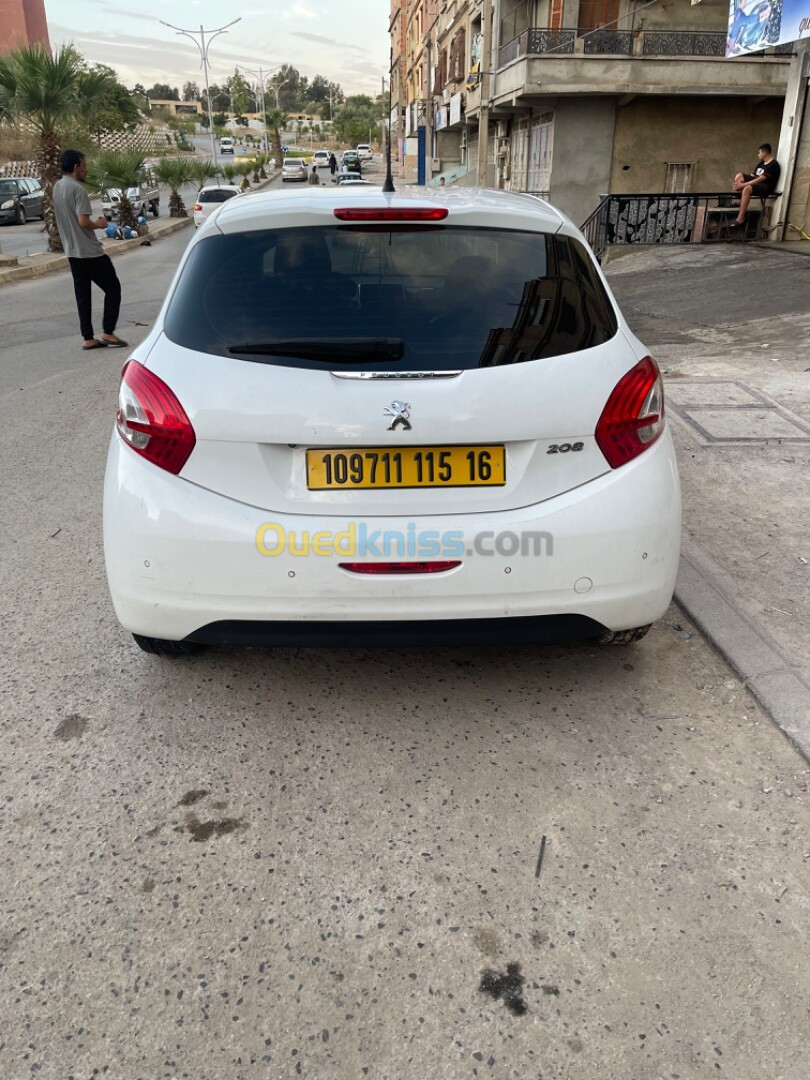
x=216, y=195
x=435, y=297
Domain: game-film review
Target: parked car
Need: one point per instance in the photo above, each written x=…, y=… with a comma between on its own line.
x=350, y=162
x=146, y=196
x=21, y=199
x=346, y=178
x=293, y=169
x=321, y=159
x=210, y=198
x=364, y=152
x=389, y=419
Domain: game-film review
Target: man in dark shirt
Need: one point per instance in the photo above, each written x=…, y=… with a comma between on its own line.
x=762, y=182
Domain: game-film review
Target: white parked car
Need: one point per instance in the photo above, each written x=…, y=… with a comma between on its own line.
x=212, y=197
x=364, y=152
x=380, y=419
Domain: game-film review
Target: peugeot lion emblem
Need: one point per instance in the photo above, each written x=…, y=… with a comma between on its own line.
x=398, y=410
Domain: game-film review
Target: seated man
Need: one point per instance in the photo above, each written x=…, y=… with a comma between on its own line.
x=762, y=182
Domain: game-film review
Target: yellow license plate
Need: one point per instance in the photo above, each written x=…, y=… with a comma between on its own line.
x=409, y=467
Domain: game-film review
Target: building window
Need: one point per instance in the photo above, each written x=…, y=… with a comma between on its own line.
x=596, y=13
x=679, y=177
x=555, y=15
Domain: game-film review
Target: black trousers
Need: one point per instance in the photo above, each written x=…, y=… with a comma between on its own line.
x=100, y=271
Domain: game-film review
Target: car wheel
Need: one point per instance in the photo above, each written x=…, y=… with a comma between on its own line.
x=20, y=218
x=155, y=209
x=161, y=647
x=623, y=637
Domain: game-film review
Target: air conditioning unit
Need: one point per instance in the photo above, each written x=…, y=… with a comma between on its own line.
x=501, y=129
x=436, y=164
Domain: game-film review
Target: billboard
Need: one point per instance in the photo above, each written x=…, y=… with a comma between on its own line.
x=754, y=25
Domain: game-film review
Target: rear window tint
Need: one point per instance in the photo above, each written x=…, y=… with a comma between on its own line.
x=455, y=297
x=217, y=195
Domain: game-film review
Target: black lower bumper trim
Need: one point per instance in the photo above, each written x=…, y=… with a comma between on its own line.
x=521, y=630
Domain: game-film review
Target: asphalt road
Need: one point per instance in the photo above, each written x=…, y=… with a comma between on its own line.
x=327, y=864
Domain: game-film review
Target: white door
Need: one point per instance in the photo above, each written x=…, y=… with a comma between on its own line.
x=520, y=154
x=541, y=147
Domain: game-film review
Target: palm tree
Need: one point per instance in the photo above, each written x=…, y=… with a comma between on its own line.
x=245, y=167
x=205, y=170
x=174, y=173
x=229, y=172
x=277, y=120
x=121, y=169
x=48, y=93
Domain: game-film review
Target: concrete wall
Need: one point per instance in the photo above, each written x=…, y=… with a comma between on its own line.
x=583, y=145
x=720, y=137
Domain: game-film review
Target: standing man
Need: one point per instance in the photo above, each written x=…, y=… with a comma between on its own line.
x=88, y=263
x=762, y=182
x=332, y=164
x=313, y=176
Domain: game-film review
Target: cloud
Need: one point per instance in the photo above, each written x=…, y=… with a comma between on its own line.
x=319, y=40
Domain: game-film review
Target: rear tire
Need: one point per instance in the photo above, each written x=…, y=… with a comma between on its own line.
x=623, y=637
x=161, y=647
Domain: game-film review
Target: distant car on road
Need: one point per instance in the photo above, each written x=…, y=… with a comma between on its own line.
x=350, y=162
x=21, y=199
x=321, y=159
x=364, y=152
x=293, y=169
x=227, y=145
x=350, y=179
x=210, y=198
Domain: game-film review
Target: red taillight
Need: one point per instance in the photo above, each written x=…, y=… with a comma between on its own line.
x=399, y=567
x=369, y=213
x=634, y=415
x=152, y=421
x=197, y=206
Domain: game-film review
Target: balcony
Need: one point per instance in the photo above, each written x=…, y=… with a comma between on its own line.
x=540, y=42
x=542, y=62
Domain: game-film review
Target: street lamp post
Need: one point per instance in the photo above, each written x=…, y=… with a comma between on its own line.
x=203, y=46
x=260, y=76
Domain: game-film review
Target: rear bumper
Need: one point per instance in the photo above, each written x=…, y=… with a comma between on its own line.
x=180, y=558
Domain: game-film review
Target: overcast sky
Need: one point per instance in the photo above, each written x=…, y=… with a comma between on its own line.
x=346, y=41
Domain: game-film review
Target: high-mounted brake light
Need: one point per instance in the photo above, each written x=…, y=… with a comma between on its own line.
x=152, y=421
x=388, y=213
x=633, y=417
x=436, y=567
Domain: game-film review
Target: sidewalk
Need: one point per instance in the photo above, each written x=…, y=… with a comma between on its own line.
x=730, y=326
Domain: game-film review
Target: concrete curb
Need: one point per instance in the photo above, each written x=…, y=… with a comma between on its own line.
x=712, y=599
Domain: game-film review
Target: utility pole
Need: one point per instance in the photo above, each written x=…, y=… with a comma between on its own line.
x=261, y=77
x=203, y=46
x=483, y=115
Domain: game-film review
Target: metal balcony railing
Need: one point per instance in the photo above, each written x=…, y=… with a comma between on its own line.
x=611, y=42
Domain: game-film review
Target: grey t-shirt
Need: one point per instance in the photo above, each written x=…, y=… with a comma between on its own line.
x=69, y=200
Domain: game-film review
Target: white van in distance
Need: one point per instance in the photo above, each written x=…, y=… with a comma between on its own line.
x=226, y=145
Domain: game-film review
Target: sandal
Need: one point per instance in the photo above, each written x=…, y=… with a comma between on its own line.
x=119, y=343
x=96, y=345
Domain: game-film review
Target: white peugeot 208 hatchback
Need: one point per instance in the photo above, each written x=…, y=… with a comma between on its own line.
x=381, y=419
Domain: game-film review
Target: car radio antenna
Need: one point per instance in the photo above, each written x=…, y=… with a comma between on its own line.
x=388, y=186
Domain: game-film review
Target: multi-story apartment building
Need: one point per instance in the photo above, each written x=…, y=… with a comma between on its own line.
x=575, y=98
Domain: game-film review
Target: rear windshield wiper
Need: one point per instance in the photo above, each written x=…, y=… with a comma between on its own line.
x=345, y=349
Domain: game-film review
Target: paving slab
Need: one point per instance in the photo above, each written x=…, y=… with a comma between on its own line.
x=730, y=327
